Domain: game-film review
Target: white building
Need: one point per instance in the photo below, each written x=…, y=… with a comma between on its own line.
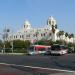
x=45, y=33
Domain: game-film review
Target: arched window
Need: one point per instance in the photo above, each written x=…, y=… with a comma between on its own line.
x=52, y=22
x=44, y=34
x=24, y=26
x=16, y=36
x=41, y=34
x=20, y=36
x=49, y=34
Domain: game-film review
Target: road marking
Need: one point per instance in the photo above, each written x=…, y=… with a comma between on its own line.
x=37, y=67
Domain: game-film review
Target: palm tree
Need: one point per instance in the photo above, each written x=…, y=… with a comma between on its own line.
x=66, y=34
x=1, y=44
x=56, y=26
x=60, y=33
x=53, y=32
x=53, y=29
x=71, y=36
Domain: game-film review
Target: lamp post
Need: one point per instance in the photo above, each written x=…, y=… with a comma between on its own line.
x=3, y=37
x=12, y=45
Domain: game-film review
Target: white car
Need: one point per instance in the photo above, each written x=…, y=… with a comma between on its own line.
x=58, y=49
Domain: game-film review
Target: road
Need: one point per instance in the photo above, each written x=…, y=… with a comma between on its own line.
x=65, y=62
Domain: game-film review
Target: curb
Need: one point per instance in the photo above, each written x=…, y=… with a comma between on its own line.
x=13, y=53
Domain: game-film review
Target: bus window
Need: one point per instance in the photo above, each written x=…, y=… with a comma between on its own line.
x=31, y=48
x=48, y=49
x=41, y=49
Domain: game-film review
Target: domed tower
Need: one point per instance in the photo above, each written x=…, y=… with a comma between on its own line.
x=26, y=25
x=51, y=21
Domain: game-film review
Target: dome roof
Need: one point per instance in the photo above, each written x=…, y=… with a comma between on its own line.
x=26, y=23
x=51, y=18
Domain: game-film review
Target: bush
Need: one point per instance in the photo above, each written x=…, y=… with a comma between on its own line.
x=8, y=50
x=20, y=50
x=44, y=42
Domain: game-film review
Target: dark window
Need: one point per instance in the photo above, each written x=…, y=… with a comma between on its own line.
x=52, y=22
x=28, y=35
x=41, y=34
x=20, y=36
x=49, y=34
x=33, y=35
x=49, y=22
x=36, y=35
x=44, y=34
x=16, y=36
x=24, y=26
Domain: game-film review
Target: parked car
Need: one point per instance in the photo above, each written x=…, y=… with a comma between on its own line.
x=71, y=50
x=58, y=49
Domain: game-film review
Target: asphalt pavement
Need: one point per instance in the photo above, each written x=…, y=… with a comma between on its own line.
x=8, y=70
x=65, y=62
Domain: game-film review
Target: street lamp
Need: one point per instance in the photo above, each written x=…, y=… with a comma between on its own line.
x=3, y=36
x=12, y=41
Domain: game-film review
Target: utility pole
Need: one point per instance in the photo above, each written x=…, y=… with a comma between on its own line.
x=12, y=41
x=5, y=36
x=3, y=50
x=4, y=39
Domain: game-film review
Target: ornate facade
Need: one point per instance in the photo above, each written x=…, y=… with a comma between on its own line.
x=49, y=32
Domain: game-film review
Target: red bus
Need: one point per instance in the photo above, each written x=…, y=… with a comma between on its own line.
x=38, y=49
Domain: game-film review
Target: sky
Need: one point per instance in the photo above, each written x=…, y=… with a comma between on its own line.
x=13, y=13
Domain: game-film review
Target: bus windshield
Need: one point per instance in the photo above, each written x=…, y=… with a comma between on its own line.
x=55, y=47
x=31, y=48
